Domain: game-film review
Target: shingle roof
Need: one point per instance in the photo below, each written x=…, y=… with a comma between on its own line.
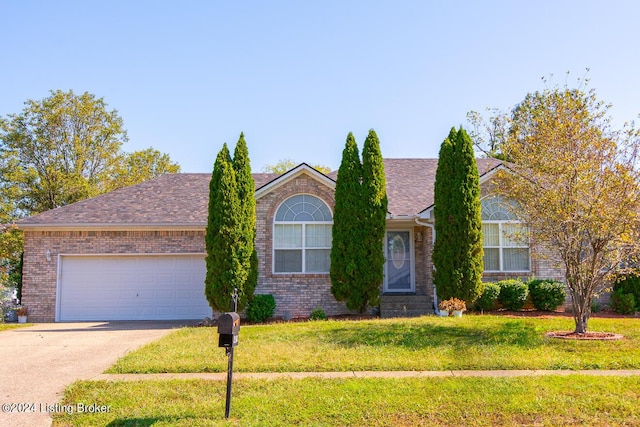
x=169, y=200
x=410, y=183
x=181, y=200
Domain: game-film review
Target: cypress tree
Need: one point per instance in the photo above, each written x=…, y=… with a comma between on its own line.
x=224, y=268
x=346, y=230
x=444, y=250
x=471, y=262
x=247, y=222
x=373, y=225
x=457, y=253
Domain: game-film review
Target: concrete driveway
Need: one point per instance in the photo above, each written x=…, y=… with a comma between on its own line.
x=39, y=361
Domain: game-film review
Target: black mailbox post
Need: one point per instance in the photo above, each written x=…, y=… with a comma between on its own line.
x=228, y=328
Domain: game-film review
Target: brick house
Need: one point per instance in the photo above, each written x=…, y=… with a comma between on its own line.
x=138, y=252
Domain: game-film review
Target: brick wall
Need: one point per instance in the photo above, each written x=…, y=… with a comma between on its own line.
x=296, y=294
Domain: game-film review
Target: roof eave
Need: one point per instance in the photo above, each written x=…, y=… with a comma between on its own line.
x=114, y=227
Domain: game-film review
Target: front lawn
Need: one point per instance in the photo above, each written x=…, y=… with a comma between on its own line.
x=7, y=326
x=525, y=401
x=426, y=343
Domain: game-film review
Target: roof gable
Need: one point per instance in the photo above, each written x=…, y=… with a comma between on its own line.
x=301, y=169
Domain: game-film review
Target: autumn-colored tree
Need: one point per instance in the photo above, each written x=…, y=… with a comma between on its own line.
x=576, y=181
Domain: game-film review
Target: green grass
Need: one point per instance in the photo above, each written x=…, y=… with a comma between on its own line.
x=8, y=326
x=539, y=401
x=427, y=343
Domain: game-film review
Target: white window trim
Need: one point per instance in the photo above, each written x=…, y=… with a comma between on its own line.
x=501, y=247
x=303, y=248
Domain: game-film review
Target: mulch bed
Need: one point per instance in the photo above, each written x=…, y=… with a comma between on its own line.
x=601, y=336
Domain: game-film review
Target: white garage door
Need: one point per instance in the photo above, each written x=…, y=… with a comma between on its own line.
x=147, y=287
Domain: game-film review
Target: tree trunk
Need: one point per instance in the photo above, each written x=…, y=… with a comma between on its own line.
x=581, y=318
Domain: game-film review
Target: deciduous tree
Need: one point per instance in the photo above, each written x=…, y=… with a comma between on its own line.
x=285, y=165
x=59, y=150
x=140, y=166
x=576, y=180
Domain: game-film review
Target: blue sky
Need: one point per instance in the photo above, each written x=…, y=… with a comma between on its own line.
x=297, y=76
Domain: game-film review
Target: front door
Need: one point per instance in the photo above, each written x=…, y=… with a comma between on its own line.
x=399, y=262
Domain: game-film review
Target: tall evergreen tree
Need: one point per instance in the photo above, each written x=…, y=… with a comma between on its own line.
x=247, y=221
x=373, y=225
x=446, y=276
x=457, y=253
x=471, y=258
x=346, y=231
x=224, y=268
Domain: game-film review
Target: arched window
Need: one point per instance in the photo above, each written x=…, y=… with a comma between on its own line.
x=302, y=236
x=506, y=240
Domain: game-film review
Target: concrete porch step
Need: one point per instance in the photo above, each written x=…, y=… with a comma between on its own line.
x=404, y=306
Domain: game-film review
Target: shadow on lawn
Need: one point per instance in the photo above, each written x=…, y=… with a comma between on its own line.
x=513, y=333
x=140, y=422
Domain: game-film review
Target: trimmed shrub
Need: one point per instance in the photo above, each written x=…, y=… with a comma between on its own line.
x=318, y=314
x=513, y=294
x=623, y=303
x=630, y=285
x=261, y=308
x=547, y=294
x=487, y=300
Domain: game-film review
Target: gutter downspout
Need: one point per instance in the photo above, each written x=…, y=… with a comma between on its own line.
x=433, y=241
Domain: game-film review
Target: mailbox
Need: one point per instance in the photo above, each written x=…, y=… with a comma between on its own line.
x=228, y=328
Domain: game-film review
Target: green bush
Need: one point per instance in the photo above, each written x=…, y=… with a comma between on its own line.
x=547, y=294
x=513, y=294
x=318, y=314
x=488, y=298
x=623, y=303
x=261, y=308
x=629, y=285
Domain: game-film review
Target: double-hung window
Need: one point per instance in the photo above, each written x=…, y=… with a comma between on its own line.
x=302, y=236
x=506, y=240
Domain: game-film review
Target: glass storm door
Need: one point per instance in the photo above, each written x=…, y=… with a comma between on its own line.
x=398, y=266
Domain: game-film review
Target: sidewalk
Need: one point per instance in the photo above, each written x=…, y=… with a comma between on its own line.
x=363, y=374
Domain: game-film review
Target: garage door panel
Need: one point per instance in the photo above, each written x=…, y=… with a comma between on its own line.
x=145, y=287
